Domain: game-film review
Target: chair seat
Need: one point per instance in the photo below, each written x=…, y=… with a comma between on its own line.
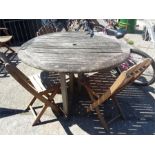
x=100, y=82
x=45, y=80
x=4, y=39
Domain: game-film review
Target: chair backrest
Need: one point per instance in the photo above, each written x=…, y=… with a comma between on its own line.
x=131, y=74
x=45, y=29
x=23, y=80
x=125, y=78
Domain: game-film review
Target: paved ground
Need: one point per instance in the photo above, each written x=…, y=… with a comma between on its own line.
x=137, y=102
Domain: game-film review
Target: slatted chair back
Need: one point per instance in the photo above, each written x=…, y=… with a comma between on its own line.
x=134, y=73
x=45, y=29
x=125, y=78
x=23, y=80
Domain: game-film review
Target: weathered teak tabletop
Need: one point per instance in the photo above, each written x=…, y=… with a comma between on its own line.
x=73, y=52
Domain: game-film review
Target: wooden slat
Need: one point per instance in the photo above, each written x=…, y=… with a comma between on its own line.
x=39, y=82
x=4, y=39
x=36, y=81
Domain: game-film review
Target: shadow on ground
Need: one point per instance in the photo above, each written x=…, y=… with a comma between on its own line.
x=5, y=112
x=138, y=107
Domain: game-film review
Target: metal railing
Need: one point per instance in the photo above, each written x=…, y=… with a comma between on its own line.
x=21, y=29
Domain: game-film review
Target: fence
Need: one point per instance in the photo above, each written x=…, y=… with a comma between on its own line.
x=21, y=29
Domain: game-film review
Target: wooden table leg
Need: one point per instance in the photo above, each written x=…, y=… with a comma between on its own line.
x=80, y=76
x=71, y=77
x=64, y=93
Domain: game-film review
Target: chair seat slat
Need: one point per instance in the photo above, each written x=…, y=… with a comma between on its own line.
x=36, y=81
x=4, y=39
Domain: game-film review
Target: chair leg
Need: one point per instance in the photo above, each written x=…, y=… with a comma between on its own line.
x=53, y=94
x=39, y=115
x=9, y=48
x=1, y=61
x=61, y=112
x=57, y=111
x=118, y=107
x=34, y=113
x=103, y=122
x=30, y=104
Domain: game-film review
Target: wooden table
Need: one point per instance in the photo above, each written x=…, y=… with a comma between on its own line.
x=73, y=52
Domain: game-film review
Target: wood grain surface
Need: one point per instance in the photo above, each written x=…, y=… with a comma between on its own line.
x=73, y=52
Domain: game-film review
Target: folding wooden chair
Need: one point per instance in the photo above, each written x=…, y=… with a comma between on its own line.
x=104, y=86
x=4, y=39
x=35, y=86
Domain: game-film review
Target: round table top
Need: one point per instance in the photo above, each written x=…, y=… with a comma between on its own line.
x=73, y=52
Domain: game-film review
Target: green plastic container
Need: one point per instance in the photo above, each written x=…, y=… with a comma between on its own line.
x=129, y=24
